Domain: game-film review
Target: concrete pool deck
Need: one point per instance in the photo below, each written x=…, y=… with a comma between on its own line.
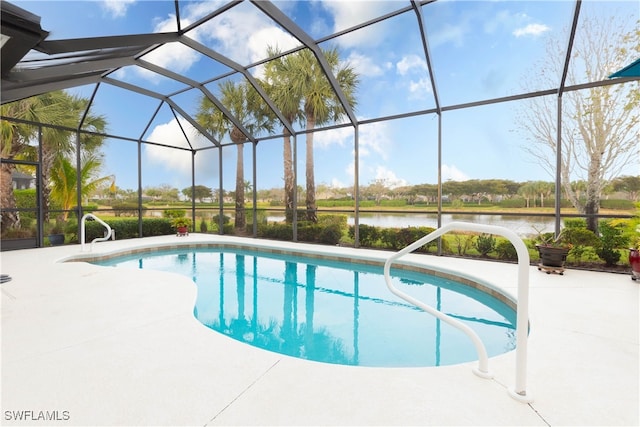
x=89, y=345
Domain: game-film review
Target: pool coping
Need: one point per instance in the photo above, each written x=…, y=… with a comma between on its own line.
x=416, y=264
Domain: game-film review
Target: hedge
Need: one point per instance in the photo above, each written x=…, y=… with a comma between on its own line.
x=128, y=228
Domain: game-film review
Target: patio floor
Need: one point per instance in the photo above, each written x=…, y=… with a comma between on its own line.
x=89, y=345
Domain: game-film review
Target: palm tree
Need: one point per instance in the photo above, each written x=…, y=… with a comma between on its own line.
x=56, y=108
x=16, y=139
x=248, y=187
x=318, y=102
x=247, y=106
x=278, y=81
x=528, y=191
x=64, y=180
x=57, y=143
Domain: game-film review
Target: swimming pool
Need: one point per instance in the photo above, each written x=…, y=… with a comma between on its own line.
x=332, y=311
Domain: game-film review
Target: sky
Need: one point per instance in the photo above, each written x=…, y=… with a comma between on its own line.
x=480, y=50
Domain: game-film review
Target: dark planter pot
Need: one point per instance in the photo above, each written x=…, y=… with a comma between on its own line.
x=182, y=231
x=634, y=261
x=551, y=256
x=56, y=239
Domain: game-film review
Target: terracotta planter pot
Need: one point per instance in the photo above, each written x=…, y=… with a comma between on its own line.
x=551, y=256
x=634, y=261
x=182, y=231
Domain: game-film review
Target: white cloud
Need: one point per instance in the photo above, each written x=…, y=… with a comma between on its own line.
x=389, y=177
x=411, y=63
x=178, y=162
x=172, y=56
x=365, y=65
x=117, y=8
x=243, y=33
x=347, y=14
x=453, y=173
x=340, y=137
x=375, y=137
x=418, y=89
x=453, y=34
x=336, y=183
x=531, y=30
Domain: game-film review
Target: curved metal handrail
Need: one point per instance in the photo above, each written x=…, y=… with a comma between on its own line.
x=97, y=239
x=522, y=314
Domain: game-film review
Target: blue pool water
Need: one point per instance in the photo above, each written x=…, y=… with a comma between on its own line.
x=333, y=312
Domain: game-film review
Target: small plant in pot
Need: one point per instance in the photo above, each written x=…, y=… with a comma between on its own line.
x=553, y=252
x=181, y=225
x=56, y=233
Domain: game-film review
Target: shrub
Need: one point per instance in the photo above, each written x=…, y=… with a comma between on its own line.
x=505, y=250
x=575, y=223
x=393, y=203
x=216, y=219
x=128, y=228
x=616, y=204
x=579, y=236
x=331, y=219
x=463, y=242
x=485, y=243
x=26, y=199
x=126, y=209
x=397, y=239
x=277, y=231
x=307, y=231
x=513, y=203
x=368, y=235
x=611, y=239
x=173, y=213
x=261, y=216
x=330, y=234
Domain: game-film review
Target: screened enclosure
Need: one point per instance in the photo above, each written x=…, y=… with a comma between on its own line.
x=280, y=119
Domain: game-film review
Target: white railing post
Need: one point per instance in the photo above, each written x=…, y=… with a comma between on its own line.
x=97, y=239
x=522, y=312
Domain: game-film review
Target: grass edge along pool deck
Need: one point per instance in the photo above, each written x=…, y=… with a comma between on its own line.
x=106, y=347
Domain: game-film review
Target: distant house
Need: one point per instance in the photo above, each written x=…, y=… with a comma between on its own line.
x=22, y=181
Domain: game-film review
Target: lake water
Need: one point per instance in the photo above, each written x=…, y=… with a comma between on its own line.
x=522, y=225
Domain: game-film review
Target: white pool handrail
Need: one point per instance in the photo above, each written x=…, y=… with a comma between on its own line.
x=519, y=392
x=97, y=239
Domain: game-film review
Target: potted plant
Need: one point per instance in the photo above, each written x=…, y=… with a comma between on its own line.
x=181, y=225
x=553, y=252
x=56, y=233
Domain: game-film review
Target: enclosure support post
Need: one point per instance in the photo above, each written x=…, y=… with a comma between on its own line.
x=356, y=185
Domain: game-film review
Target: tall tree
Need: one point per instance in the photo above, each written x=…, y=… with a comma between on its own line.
x=64, y=180
x=246, y=105
x=279, y=74
x=628, y=184
x=321, y=105
x=15, y=140
x=56, y=108
x=57, y=143
x=301, y=81
x=600, y=125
